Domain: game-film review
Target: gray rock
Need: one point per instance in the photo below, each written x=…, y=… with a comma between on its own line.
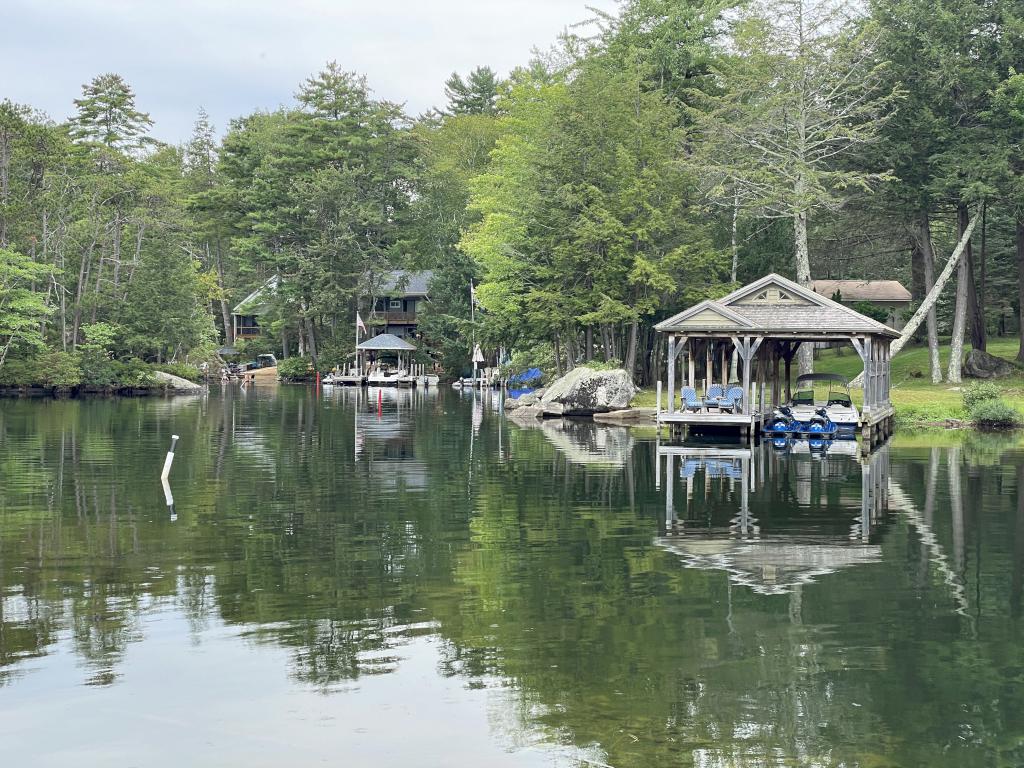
x=526, y=413
x=176, y=383
x=584, y=391
x=552, y=410
x=627, y=416
x=982, y=365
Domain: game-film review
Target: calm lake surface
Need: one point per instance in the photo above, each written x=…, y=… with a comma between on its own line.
x=430, y=584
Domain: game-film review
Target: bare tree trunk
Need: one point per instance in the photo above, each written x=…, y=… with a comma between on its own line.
x=225, y=310
x=923, y=240
x=805, y=355
x=956, y=342
x=1020, y=284
x=558, y=356
x=929, y=300
x=310, y=336
x=588, y=342
x=5, y=189
x=631, y=350
x=975, y=310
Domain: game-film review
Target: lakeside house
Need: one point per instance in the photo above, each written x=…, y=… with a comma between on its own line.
x=245, y=317
x=395, y=311
x=889, y=295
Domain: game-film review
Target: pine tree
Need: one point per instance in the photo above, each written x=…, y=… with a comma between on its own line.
x=476, y=95
x=107, y=115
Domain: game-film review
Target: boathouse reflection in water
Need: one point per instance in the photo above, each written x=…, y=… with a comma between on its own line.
x=809, y=494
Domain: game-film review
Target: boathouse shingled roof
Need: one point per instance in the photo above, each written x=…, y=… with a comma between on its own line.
x=774, y=305
x=863, y=290
x=386, y=342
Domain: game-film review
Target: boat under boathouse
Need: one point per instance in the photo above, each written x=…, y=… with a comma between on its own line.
x=765, y=323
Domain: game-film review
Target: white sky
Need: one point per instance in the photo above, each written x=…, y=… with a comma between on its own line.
x=234, y=56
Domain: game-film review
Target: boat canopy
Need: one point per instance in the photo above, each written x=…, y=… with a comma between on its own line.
x=386, y=342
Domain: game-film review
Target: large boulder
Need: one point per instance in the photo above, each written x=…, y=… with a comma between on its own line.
x=174, y=383
x=585, y=391
x=982, y=365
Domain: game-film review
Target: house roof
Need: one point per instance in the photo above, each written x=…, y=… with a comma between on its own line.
x=256, y=303
x=403, y=282
x=775, y=306
x=863, y=290
x=386, y=342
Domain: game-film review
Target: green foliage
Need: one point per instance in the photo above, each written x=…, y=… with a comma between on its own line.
x=22, y=307
x=476, y=95
x=995, y=413
x=294, y=368
x=603, y=365
x=979, y=392
x=46, y=368
x=184, y=370
x=97, y=361
x=873, y=311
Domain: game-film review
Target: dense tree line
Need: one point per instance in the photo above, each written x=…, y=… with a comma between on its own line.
x=682, y=149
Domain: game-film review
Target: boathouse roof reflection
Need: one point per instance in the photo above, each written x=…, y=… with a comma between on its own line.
x=771, y=518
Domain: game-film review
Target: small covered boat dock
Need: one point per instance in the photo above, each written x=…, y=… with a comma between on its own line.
x=730, y=360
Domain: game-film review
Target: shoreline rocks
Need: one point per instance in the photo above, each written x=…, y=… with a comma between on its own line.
x=585, y=391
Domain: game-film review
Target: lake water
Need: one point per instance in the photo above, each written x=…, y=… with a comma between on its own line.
x=425, y=583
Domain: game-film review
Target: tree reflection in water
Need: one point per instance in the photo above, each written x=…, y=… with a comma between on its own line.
x=772, y=617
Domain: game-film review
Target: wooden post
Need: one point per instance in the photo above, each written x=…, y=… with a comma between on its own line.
x=707, y=371
x=671, y=373
x=690, y=349
x=725, y=370
x=657, y=407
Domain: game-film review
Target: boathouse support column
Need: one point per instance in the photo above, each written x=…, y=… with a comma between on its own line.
x=708, y=378
x=671, y=373
x=691, y=364
x=746, y=348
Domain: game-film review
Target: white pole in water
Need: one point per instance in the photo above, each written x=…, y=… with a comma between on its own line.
x=170, y=458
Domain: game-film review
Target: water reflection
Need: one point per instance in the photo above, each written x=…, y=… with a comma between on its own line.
x=435, y=584
x=787, y=552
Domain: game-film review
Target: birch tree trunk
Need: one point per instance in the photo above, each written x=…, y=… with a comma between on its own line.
x=923, y=237
x=929, y=300
x=956, y=342
x=805, y=355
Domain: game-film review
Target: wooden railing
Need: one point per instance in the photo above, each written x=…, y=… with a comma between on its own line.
x=394, y=318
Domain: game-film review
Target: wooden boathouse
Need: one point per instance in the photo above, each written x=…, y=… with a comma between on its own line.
x=765, y=323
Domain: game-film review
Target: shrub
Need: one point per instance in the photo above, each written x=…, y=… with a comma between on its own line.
x=294, y=368
x=49, y=368
x=602, y=365
x=980, y=392
x=184, y=370
x=132, y=373
x=995, y=413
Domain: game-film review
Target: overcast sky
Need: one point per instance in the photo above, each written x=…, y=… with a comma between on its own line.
x=234, y=56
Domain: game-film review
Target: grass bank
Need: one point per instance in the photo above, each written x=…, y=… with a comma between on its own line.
x=916, y=399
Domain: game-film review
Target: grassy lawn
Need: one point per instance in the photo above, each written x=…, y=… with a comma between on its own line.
x=916, y=399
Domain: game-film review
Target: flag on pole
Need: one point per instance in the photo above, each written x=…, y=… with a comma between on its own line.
x=360, y=326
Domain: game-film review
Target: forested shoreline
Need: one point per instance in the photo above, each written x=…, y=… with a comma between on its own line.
x=672, y=152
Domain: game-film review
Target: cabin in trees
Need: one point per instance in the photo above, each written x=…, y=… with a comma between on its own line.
x=396, y=310
x=765, y=323
x=888, y=296
x=245, y=317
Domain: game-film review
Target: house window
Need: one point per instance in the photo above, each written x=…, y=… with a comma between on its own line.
x=395, y=304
